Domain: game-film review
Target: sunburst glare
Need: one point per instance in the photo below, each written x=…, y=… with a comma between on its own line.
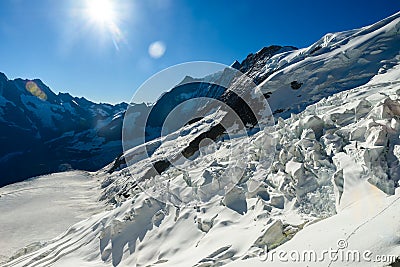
x=105, y=16
x=101, y=11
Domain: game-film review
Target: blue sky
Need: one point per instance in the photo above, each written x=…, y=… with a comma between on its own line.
x=72, y=50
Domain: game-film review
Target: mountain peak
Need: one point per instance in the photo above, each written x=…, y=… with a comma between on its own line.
x=262, y=55
x=3, y=77
x=236, y=65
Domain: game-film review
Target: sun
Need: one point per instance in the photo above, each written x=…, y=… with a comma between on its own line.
x=101, y=12
x=105, y=16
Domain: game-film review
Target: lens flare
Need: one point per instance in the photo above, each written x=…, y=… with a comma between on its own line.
x=157, y=49
x=35, y=90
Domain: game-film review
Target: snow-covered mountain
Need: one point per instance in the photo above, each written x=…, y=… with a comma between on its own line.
x=325, y=177
x=43, y=132
x=49, y=133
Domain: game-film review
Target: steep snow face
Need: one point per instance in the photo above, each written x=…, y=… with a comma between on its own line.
x=337, y=62
x=326, y=174
x=44, y=132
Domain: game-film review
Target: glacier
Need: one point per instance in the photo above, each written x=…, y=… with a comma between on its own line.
x=326, y=171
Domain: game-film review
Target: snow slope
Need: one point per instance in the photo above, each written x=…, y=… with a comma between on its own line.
x=37, y=210
x=328, y=173
x=369, y=226
x=337, y=62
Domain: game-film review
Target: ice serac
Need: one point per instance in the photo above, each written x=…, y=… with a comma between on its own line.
x=328, y=171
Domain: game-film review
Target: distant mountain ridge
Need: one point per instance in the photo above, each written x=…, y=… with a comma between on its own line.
x=44, y=132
